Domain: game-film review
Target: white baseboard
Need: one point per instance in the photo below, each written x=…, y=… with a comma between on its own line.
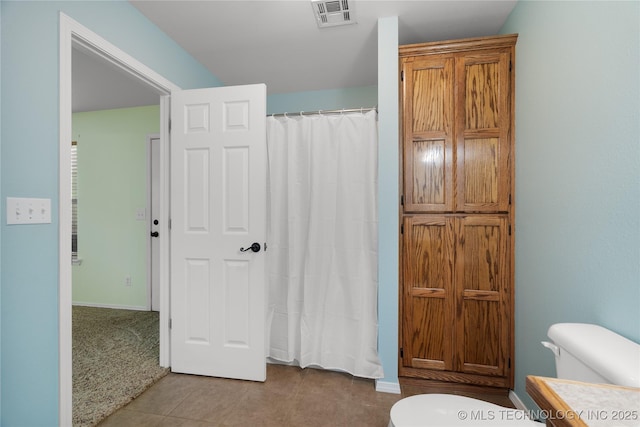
x=518, y=403
x=119, y=307
x=388, y=387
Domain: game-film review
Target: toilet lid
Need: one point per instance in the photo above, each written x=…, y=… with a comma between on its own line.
x=451, y=410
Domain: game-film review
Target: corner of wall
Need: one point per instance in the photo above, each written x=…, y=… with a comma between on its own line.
x=517, y=402
x=2, y=210
x=388, y=196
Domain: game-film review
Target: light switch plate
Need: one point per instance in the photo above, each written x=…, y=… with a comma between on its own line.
x=141, y=214
x=22, y=210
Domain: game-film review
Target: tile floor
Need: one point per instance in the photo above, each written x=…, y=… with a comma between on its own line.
x=290, y=397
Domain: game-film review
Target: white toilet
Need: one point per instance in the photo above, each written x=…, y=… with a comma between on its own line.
x=583, y=352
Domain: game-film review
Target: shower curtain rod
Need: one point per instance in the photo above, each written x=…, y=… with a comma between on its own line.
x=311, y=113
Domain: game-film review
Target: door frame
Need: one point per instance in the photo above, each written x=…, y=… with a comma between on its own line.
x=74, y=35
x=152, y=163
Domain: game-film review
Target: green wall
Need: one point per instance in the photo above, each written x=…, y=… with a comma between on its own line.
x=577, y=172
x=112, y=186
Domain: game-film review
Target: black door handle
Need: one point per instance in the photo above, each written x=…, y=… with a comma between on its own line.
x=154, y=234
x=255, y=247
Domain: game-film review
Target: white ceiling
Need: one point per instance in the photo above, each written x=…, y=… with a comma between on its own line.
x=279, y=43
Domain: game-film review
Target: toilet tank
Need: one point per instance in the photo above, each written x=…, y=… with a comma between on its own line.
x=594, y=354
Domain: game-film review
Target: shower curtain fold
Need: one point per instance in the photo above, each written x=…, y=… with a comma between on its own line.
x=322, y=257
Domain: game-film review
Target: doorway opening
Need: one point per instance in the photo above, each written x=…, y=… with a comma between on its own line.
x=75, y=36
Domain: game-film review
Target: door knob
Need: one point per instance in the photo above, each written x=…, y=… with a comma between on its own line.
x=255, y=247
x=154, y=234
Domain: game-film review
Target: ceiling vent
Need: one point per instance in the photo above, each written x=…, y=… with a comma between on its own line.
x=331, y=13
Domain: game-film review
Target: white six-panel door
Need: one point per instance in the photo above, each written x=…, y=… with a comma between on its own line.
x=218, y=206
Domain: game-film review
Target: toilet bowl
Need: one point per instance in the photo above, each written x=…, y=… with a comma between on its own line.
x=452, y=410
x=583, y=352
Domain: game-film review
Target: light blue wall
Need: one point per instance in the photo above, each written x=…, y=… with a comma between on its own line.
x=0, y=215
x=366, y=96
x=388, y=197
x=29, y=168
x=577, y=172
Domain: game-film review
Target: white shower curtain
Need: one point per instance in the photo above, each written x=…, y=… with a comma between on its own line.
x=322, y=254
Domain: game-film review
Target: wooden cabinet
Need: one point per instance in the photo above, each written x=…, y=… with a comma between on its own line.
x=457, y=211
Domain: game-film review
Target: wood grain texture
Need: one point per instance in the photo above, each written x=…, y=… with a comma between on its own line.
x=431, y=87
x=482, y=270
x=455, y=377
x=428, y=125
x=419, y=50
x=482, y=132
x=429, y=177
x=481, y=96
x=457, y=247
x=481, y=171
x=549, y=401
x=428, y=293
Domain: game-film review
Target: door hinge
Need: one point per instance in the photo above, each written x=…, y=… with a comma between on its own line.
x=170, y=323
x=169, y=223
x=401, y=353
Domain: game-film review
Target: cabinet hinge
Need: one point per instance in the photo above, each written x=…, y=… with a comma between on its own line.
x=401, y=228
x=170, y=323
x=510, y=66
x=169, y=125
x=265, y=246
x=509, y=229
x=402, y=75
x=401, y=353
x=509, y=198
x=509, y=363
x=169, y=223
x=402, y=200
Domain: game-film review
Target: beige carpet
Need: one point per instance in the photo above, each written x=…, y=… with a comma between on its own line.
x=115, y=359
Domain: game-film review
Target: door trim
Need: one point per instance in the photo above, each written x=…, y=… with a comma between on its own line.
x=149, y=216
x=73, y=35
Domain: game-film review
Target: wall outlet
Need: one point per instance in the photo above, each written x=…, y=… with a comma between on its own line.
x=21, y=210
x=127, y=281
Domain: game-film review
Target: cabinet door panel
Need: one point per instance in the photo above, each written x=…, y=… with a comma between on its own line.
x=428, y=293
x=429, y=335
x=482, y=272
x=431, y=99
x=482, y=133
x=481, y=171
x=428, y=135
x=481, y=342
x=429, y=174
x=482, y=109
